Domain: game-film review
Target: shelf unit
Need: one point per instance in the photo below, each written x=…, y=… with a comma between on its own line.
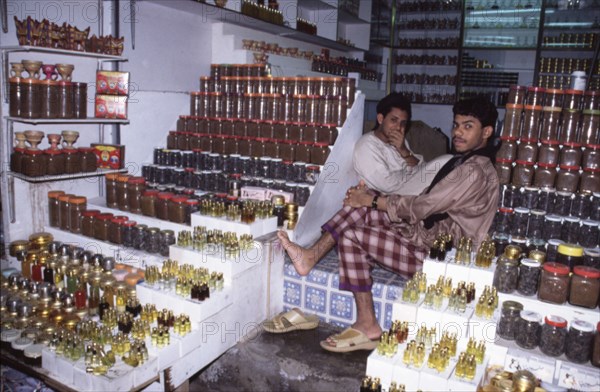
x=7, y=136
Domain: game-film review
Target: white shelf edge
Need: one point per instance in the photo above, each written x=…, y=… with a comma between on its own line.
x=63, y=177
x=89, y=120
x=42, y=49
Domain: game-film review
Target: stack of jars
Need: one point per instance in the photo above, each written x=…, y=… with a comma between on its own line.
x=47, y=98
x=579, y=341
x=303, y=149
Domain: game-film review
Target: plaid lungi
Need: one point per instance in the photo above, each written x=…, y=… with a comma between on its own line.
x=365, y=238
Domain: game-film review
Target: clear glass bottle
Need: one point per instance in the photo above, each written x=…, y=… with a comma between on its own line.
x=578, y=344
x=506, y=275
x=507, y=324
x=529, y=273
x=585, y=287
x=527, y=335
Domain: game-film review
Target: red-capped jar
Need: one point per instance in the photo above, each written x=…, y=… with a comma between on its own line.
x=585, y=287
x=135, y=187
x=115, y=229
x=591, y=156
x=554, y=283
x=570, y=154
x=257, y=146
x=88, y=158
x=327, y=133
x=516, y=94
x=162, y=205
x=72, y=160
x=177, y=209
x=33, y=163
x=172, y=140
x=319, y=153
x=548, y=152
x=523, y=173
x=550, y=123
x=545, y=175
x=590, y=181
x=512, y=121
x=271, y=148
x=567, y=179
x=531, y=122
x=16, y=158
x=295, y=131
x=101, y=226
x=309, y=133
x=183, y=141
x=65, y=99
x=192, y=206
x=148, y=202
x=252, y=128
x=591, y=100
x=287, y=150
x=569, y=126
x=504, y=170
x=572, y=99
x=508, y=149
x=86, y=222
x=553, y=98
x=55, y=162
x=527, y=150
x=303, y=150
x=590, y=127
x=206, y=142
x=535, y=96
x=76, y=206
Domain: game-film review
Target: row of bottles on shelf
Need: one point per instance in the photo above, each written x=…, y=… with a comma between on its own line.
x=343, y=65
x=428, y=5
x=571, y=40
x=494, y=5
x=414, y=78
x=427, y=23
x=428, y=97
x=425, y=59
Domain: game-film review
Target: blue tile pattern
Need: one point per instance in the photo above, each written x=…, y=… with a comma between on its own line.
x=342, y=306
x=318, y=276
x=315, y=299
x=318, y=293
x=292, y=292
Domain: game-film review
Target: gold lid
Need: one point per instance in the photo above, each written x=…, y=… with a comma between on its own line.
x=278, y=200
x=16, y=246
x=512, y=251
x=41, y=238
x=537, y=255
x=291, y=207
x=131, y=293
x=120, y=286
x=512, y=305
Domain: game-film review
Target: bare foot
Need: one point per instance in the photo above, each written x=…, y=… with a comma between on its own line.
x=303, y=259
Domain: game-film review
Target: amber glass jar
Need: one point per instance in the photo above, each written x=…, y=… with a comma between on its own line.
x=523, y=173
x=570, y=155
x=86, y=222
x=16, y=158
x=88, y=159
x=101, y=226
x=111, y=190
x=53, y=208
x=135, y=187
x=15, y=92
x=122, y=200
x=79, y=100
x=115, y=229
x=76, y=206
x=303, y=150
x=531, y=122
x=33, y=163
x=31, y=99
x=287, y=150
x=72, y=160
x=327, y=133
x=545, y=175
x=590, y=127
x=504, y=170
x=554, y=283
x=591, y=157
x=319, y=153
x=512, y=121
x=177, y=209
x=585, y=287
x=162, y=205
x=548, y=152
x=572, y=99
x=528, y=150
x=148, y=202
x=550, y=123
x=570, y=122
x=65, y=99
x=49, y=98
x=55, y=162
x=567, y=179
x=590, y=181
x=516, y=94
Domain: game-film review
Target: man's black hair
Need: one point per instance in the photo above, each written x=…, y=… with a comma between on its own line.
x=394, y=100
x=479, y=107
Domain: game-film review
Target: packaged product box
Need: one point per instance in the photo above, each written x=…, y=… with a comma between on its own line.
x=111, y=106
x=112, y=83
x=109, y=156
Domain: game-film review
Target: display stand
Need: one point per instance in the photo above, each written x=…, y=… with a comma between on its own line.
x=552, y=371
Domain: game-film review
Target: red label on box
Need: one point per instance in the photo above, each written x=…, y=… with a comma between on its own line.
x=109, y=156
x=112, y=82
x=111, y=106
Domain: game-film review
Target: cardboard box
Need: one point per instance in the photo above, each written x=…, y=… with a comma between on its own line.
x=109, y=156
x=111, y=106
x=112, y=83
